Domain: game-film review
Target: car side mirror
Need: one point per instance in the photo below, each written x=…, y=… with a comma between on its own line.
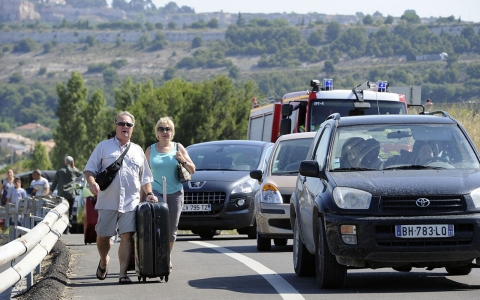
x=257, y=174
x=309, y=168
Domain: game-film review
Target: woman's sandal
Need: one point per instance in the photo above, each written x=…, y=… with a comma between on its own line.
x=124, y=280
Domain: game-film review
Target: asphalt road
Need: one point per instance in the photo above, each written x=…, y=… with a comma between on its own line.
x=230, y=267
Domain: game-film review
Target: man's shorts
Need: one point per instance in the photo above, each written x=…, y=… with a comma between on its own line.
x=110, y=220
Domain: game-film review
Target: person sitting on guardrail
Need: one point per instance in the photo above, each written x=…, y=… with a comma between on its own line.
x=14, y=194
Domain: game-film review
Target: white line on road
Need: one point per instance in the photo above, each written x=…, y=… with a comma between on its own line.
x=284, y=288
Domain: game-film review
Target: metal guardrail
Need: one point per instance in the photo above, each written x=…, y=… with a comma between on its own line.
x=45, y=219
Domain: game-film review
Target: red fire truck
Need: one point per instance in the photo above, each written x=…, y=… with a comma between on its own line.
x=305, y=110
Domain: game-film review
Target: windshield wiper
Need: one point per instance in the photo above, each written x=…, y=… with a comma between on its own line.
x=353, y=169
x=413, y=167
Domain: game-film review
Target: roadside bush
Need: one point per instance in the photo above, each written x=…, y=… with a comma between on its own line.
x=42, y=71
x=197, y=42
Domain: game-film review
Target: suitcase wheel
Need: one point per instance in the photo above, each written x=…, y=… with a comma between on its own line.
x=144, y=279
x=139, y=278
x=166, y=278
x=161, y=278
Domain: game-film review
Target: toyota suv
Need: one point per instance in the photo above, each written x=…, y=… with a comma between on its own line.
x=390, y=191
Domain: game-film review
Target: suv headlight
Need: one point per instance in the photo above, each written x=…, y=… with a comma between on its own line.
x=270, y=194
x=475, y=194
x=348, y=198
x=244, y=186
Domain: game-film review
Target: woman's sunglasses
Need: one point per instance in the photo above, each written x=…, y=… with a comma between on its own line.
x=164, y=129
x=121, y=124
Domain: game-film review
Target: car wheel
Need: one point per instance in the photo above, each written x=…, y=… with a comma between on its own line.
x=464, y=270
x=303, y=261
x=263, y=244
x=280, y=242
x=330, y=274
x=206, y=234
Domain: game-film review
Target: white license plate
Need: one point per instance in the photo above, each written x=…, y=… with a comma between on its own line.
x=197, y=207
x=424, y=231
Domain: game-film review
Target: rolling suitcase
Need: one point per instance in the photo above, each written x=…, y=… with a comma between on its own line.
x=90, y=220
x=152, y=241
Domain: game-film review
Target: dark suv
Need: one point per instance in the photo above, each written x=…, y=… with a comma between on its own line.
x=398, y=191
x=220, y=194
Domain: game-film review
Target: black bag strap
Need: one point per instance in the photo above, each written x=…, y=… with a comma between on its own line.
x=120, y=158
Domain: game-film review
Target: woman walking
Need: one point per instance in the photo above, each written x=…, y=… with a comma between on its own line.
x=163, y=158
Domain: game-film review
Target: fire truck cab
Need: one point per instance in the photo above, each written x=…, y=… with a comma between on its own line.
x=305, y=110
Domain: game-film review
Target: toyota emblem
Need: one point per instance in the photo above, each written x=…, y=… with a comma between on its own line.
x=422, y=202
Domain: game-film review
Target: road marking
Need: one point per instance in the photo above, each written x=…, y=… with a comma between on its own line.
x=284, y=288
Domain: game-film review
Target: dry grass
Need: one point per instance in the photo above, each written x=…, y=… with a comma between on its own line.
x=468, y=115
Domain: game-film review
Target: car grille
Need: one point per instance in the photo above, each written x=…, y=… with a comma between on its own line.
x=408, y=205
x=216, y=199
x=385, y=236
x=286, y=198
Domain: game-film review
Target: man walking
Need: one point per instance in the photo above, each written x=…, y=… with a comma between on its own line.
x=117, y=203
x=65, y=179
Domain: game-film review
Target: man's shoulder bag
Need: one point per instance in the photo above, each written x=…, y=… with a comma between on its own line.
x=105, y=178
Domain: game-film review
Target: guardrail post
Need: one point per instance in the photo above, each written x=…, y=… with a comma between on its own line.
x=6, y=294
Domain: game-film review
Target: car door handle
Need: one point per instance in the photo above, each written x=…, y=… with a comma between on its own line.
x=304, y=179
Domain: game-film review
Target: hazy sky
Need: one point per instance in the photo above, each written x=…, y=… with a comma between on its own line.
x=468, y=10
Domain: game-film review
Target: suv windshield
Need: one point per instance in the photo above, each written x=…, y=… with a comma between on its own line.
x=321, y=109
x=389, y=147
x=225, y=157
x=288, y=155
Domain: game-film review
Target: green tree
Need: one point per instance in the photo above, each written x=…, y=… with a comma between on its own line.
x=197, y=42
x=110, y=76
x=71, y=134
x=316, y=37
x=40, y=158
x=127, y=95
x=25, y=45
x=329, y=67
x=169, y=74
x=98, y=118
x=332, y=32
x=411, y=17
x=240, y=20
x=367, y=20
x=15, y=78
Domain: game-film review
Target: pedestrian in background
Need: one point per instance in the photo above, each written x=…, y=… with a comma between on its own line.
x=163, y=158
x=65, y=179
x=14, y=194
x=116, y=205
x=39, y=185
x=7, y=183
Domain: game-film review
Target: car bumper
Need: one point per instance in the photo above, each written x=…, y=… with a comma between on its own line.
x=273, y=220
x=223, y=221
x=377, y=246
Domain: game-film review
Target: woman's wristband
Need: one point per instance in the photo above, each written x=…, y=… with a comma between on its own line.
x=149, y=193
x=184, y=163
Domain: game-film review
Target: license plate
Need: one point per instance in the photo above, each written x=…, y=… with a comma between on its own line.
x=424, y=231
x=197, y=207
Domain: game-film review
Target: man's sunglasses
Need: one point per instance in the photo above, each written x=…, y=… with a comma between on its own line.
x=121, y=124
x=164, y=129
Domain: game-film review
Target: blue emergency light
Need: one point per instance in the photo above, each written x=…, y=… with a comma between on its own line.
x=382, y=86
x=328, y=84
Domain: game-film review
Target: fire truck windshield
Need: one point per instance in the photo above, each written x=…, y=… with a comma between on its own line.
x=322, y=108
